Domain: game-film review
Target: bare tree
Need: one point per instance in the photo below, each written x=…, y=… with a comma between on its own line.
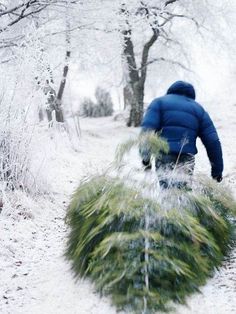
x=136, y=79
x=158, y=18
x=32, y=9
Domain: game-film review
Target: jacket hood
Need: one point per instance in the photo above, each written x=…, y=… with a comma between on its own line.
x=182, y=88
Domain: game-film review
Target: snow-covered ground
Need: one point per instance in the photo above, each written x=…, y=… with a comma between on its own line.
x=34, y=276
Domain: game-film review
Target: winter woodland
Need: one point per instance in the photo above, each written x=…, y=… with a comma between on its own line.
x=76, y=78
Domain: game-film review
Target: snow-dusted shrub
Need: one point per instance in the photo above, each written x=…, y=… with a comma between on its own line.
x=102, y=108
x=104, y=102
x=87, y=107
x=147, y=251
x=22, y=97
x=14, y=159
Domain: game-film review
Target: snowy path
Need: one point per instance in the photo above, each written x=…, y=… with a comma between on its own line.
x=35, y=278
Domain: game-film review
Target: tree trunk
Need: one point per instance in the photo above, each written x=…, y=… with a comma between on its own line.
x=58, y=105
x=134, y=89
x=136, y=110
x=40, y=113
x=58, y=109
x=139, y=96
x=127, y=95
x=130, y=90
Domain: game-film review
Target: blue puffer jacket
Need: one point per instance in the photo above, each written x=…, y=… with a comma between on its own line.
x=181, y=120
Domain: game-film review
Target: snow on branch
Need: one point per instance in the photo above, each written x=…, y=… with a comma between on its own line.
x=174, y=62
x=22, y=11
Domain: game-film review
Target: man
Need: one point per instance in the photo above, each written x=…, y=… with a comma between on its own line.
x=180, y=120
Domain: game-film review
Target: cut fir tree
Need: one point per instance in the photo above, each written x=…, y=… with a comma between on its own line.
x=148, y=252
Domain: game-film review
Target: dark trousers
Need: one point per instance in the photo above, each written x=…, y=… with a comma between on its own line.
x=169, y=162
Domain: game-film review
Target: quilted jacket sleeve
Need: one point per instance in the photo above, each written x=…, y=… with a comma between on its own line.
x=210, y=139
x=152, y=117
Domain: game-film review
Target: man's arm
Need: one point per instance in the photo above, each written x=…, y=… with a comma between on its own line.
x=151, y=120
x=210, y=139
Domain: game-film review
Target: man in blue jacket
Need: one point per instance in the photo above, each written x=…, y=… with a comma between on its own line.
x=180, y=120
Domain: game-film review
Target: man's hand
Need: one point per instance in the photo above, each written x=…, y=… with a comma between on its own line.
x=218, y=178
x=147, y=165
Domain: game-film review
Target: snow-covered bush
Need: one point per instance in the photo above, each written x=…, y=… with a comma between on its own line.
x=104, y=102
x=14, y=159
x=22, y=98
x=102, y=108
x=87, y=107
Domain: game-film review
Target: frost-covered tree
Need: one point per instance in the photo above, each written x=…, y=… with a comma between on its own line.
x=145, y=33
x=156, y=31
x=52, y=21
x=32, y=49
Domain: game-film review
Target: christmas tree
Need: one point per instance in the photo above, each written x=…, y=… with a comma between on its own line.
x=144, y=246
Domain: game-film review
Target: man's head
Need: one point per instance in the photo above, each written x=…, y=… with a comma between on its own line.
x=182, y=88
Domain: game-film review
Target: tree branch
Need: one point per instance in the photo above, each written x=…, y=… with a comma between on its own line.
x=162, y=59
x=171, y=16
x=22, y=15
x=145, y=54
x=175, y=42
x=35, y=6
x=168, y=2
x=9, y=11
